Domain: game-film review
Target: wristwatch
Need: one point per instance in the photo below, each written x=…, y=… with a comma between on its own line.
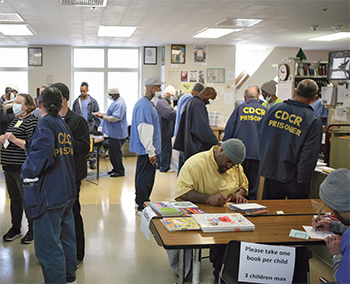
x=335, y=255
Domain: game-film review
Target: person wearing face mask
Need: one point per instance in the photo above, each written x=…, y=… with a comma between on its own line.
x=167, y=116
x=268, y=91
x=6, y=116
x=115, y=126
x=145, y=140
x=13, y=156
x=194, y=134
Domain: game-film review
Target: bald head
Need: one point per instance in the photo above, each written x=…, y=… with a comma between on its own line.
x=207, y=93
x=251, y=93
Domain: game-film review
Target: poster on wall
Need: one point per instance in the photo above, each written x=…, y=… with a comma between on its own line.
x=193, y=76
x=184, y=76
x=201, y=77
x=186, y=87
x=150, y=55
x=216, y=75
x=200, y=54
x=178, y=53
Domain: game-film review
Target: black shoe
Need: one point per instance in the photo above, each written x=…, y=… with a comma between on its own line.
x=111, y=172
x=92, y=166
x=12, y=234
x=28, y=238
x=117, y=175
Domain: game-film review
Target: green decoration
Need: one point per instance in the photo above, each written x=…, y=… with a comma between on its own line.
x=301, y=55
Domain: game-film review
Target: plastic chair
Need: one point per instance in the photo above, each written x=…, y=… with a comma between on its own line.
x=230, y=266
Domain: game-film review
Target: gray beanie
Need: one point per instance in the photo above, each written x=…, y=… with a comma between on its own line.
x=269, y=87
x=234, y=150
x=198, y=87
x=335, y=190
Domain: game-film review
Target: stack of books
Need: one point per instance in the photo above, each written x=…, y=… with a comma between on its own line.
x=164, y=208
x=251, y=209
x=227, y=222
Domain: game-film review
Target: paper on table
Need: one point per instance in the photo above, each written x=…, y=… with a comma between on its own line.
x=147, y=215
x=317, y=234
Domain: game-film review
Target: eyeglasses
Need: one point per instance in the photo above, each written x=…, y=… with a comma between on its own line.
x=231, y=164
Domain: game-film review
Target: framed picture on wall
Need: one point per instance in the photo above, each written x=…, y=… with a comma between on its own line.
x=35, y=56
x=178, y=53
x=150, y=55
x=200, y=54
x=216, y=75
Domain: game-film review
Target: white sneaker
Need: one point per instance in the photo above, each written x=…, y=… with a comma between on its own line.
x=139, y=213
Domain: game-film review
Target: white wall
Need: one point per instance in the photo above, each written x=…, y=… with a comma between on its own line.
x=56, y=62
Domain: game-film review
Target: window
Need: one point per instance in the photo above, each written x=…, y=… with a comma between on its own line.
x=103, y=68
x=14, y=68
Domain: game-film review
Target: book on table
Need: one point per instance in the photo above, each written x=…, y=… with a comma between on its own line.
x=190, y=211
x=223, y=222
x=165, y=208
x=252, y=209
x=184, y=204
x=180, y=223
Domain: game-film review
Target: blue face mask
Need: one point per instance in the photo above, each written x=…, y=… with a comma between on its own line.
x=12, y=96
x=17, y=109
x=268, y=98
x=111, y=98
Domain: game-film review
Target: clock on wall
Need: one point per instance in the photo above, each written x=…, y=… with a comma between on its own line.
x=283, y=72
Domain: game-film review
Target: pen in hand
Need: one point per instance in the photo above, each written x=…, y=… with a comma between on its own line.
x=218, y=190
x=319, y=217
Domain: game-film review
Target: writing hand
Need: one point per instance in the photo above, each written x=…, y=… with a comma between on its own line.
x=321, y=225
x=333, y=244
x=217, y=200
x=237, y=198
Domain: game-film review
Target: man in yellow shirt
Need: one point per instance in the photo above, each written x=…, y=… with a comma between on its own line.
x=214, y=177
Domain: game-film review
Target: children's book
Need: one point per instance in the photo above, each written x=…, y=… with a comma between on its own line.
x=165, y=208
x=190, y=211
x=227, y=222
x=180, y=223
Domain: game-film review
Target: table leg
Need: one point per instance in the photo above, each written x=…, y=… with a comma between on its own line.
x=182, y=266
x=196, y=266
x=98, y=162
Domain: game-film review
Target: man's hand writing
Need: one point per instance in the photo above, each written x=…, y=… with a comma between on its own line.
x=217, y=200
x=321, y=225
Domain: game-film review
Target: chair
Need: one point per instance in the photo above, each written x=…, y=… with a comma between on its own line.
x=230, y=266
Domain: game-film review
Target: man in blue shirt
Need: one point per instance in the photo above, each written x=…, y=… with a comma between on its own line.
x=85, y=105
x=243, y=124
x=145, y=140
x=320, y=110
x=115, y=126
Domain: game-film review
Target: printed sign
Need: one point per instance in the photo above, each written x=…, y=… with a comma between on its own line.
x=266, y=264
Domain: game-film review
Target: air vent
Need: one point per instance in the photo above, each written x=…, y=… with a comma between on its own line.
x=86, y=3
x=10, y=17
x=241, y=23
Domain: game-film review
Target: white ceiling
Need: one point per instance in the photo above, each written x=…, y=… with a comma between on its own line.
x=286, y=23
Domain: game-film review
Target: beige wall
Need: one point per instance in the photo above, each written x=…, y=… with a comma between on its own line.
x=56, y=62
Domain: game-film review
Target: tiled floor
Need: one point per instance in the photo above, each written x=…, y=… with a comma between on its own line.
x=116, y=250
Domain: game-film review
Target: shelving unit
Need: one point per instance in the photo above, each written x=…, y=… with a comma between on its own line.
x=300, y=70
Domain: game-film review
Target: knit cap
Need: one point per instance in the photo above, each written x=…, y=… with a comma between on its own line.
x=234, y=150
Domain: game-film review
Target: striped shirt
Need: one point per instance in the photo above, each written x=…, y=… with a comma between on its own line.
x=13, y=156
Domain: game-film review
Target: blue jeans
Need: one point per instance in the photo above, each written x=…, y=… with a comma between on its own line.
x=54, y=241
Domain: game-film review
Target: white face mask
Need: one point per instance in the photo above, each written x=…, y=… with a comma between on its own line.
x=110, y=97
x=268, y=98
x=210, y=101
x=17, y=109
x=157, y=94
x=12, y=96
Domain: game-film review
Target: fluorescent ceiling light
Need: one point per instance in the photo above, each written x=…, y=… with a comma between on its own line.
x=331, y=37
x=214, y=32
x=116, y=31
x=15, y=30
